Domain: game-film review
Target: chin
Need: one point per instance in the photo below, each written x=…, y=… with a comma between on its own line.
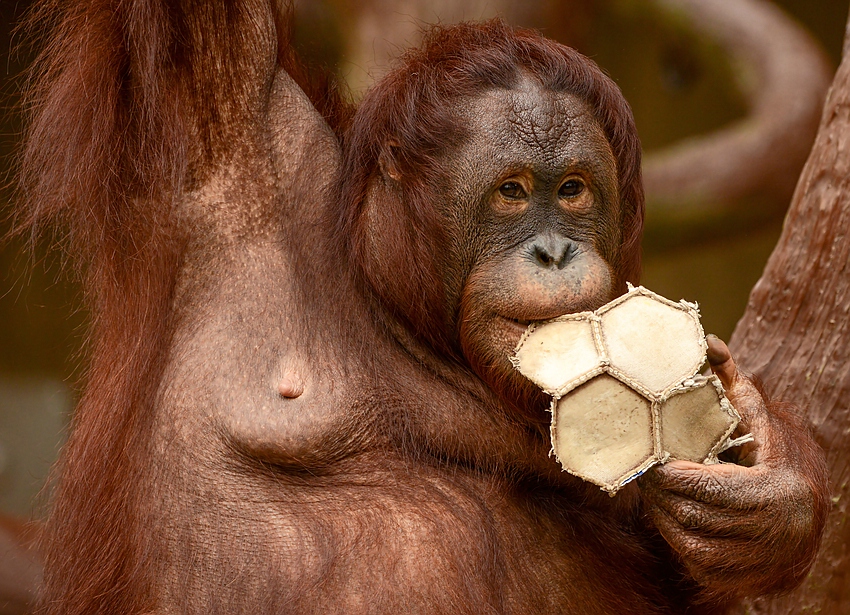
x=488, y=349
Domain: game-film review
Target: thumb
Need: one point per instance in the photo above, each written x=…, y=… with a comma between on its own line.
x=744, y=396
x=721, y=362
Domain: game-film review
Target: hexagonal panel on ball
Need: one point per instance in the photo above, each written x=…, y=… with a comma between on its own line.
x=696, y=421
x=652, y=341
x=602, y=432
x=559, y=354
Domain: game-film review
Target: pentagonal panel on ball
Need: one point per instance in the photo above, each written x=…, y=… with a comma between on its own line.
x=556, y=354
x=602, y=432
x=695, y=421
x=656, y=344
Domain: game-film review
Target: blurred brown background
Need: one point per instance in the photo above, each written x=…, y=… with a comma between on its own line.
x=681, y=83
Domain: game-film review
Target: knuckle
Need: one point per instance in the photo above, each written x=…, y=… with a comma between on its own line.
x=704, y=486
x=689, y=514
x=795, y=503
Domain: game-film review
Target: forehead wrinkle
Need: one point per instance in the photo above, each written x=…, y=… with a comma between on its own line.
x=535, y=116
x=504, y=134
x=527, y=119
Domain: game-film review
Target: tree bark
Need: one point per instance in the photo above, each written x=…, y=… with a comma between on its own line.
x=795, y=334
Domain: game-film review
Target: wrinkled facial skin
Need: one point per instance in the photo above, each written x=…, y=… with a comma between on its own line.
x=534, y=214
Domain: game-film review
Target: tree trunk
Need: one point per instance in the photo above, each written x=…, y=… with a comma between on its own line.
x=795, y=334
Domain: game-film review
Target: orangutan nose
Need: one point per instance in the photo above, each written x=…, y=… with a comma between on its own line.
x=553, y=251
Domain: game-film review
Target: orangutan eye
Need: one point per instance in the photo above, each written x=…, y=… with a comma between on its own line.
x=570, y=188
x=512, y=190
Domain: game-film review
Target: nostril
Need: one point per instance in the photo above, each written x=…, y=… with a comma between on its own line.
x=553, y=251
x=543, y=257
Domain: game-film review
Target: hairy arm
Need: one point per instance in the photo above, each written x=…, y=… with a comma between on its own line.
x=135, y=109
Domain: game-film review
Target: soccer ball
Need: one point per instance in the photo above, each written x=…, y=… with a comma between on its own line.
x=625, y=386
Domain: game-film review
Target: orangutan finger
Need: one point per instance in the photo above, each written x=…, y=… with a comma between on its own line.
x=721, y=362
x=705, y=519
x=725, y=485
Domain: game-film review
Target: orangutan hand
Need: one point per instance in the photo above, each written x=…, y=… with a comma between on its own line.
x=752, y=526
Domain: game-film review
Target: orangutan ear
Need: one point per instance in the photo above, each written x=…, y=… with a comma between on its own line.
x=388, y=160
